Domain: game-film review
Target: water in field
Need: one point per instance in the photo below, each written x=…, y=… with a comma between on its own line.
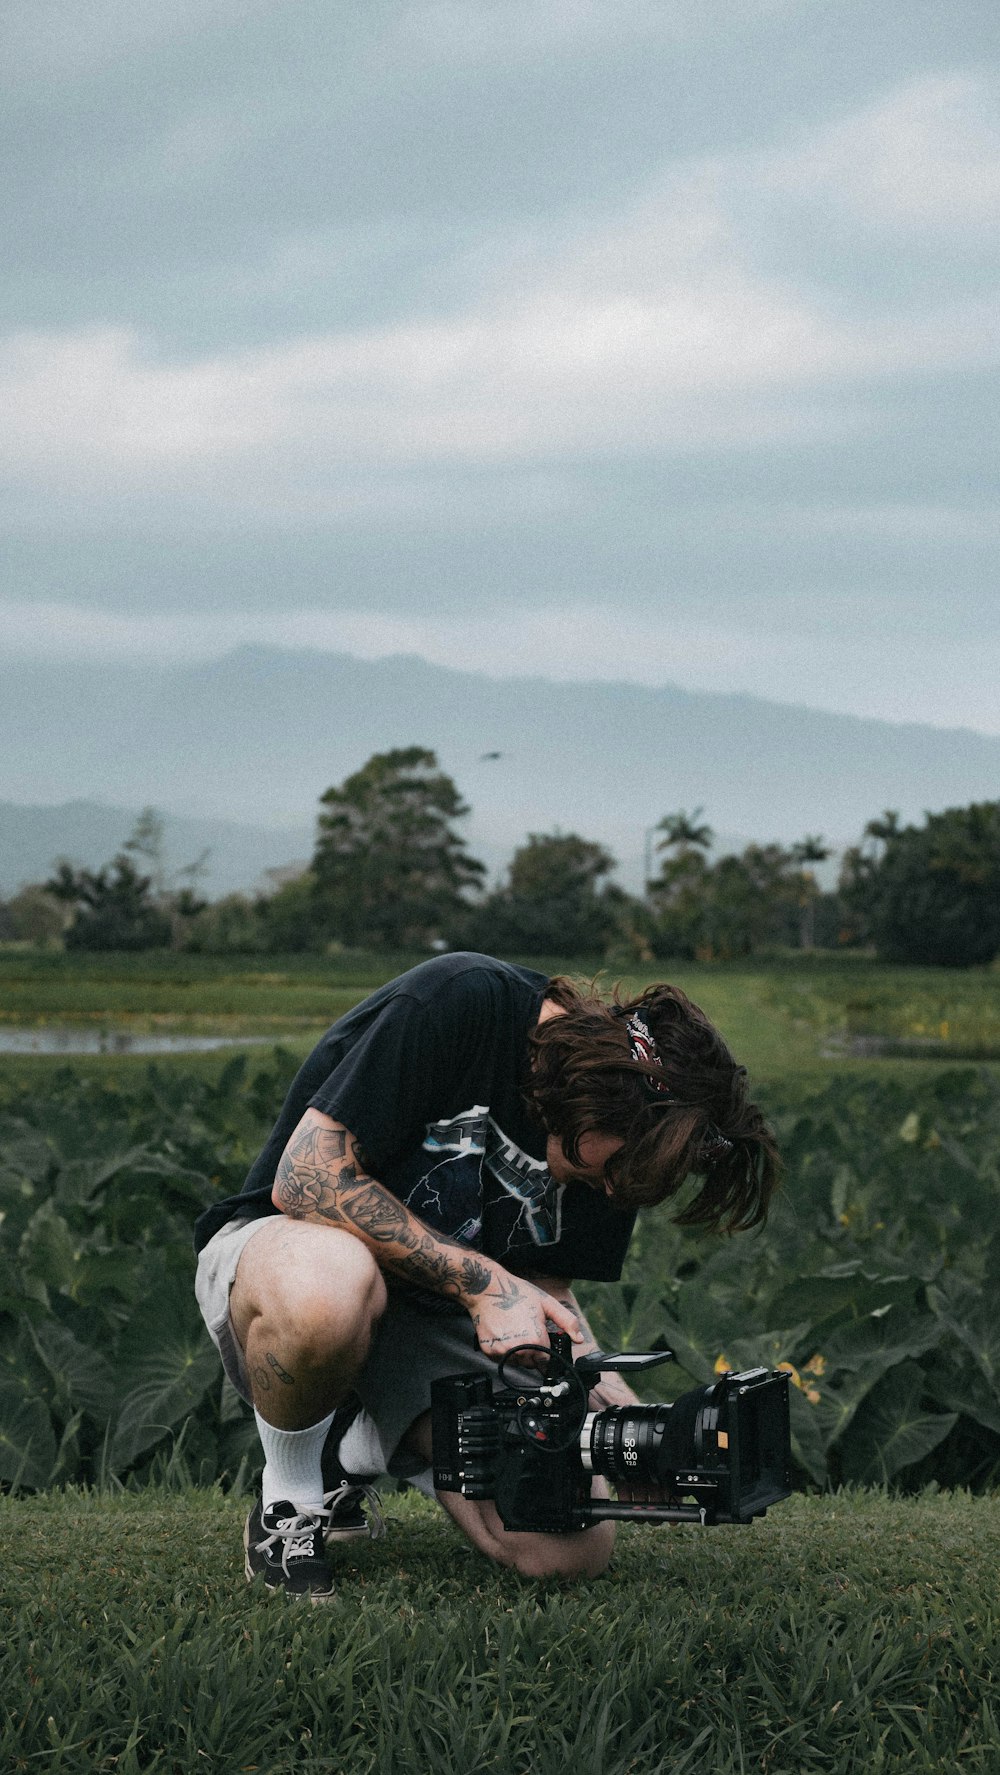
x=69, y=1039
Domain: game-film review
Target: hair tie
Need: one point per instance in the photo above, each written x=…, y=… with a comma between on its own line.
x=715, y=1144
x=714, y=1147
x=640, y=1040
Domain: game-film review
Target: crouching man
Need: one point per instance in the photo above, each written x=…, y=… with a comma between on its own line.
x=451, y=1155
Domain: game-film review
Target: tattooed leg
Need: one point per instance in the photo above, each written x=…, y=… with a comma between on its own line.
x=304, y=1304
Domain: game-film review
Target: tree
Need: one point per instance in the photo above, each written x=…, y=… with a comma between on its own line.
x=146, y=842
x=113, y=907
x=737, y=905
x=31, y=916
x=753, y=900
x=680, y=893
x=683, y=833
x=389, y=868
x=810, y=849
x=929, y=894
x=233, y=925
x=555, y=900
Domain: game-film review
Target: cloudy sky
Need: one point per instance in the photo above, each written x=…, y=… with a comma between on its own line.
x=650, y=339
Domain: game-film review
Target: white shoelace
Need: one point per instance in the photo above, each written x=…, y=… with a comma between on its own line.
x=298, y=1533
x=351, y=1489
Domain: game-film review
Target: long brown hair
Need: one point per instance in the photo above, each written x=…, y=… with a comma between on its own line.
x=585, y=1079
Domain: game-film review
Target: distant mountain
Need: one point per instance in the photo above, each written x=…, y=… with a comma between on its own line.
x=255, y=737
x=89, y=834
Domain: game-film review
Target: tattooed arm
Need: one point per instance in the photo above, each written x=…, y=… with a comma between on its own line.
x=320, y=1178
x=611, y=1389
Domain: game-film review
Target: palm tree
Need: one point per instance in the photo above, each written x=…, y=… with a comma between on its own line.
x=683, y=833
x=811, y=849
x=679, y=891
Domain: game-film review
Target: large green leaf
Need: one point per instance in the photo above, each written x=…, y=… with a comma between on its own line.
x=167, y=1361
x=623, y=1318
x=48, y=1248
x=892, y=1431
x=173, y=1384
x=695, y=1362
x=82, y=1375
x=709, y=1319
x=26, y=1156
x=872, y=1345
x=970, y=1315
x=27, y=1442
x=20, y=1292
x=843, y=1291
x=959, y=1386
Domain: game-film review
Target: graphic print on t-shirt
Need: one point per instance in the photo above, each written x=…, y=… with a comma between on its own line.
x=450, y=1195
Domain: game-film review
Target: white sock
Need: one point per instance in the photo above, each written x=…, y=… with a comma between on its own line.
x=361, y=1453
x=293, y=1464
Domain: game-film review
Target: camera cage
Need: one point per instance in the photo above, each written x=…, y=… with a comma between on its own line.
x=719, y=1453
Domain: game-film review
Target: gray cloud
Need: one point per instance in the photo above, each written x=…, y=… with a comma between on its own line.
x=482, y=316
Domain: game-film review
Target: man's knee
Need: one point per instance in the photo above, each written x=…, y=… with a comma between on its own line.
x=584, y=1555
x=320, y=1285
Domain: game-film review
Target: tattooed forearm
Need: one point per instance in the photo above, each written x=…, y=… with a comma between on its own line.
x=319, y=1178
x=369, y=1207
x=476, y=1278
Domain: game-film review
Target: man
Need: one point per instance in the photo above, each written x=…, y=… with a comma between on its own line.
x=451, y=1155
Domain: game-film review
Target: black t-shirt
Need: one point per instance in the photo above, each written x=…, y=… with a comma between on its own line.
x=427, y=1075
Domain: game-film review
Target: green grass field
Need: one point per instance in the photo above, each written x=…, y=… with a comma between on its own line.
x=841, y=1635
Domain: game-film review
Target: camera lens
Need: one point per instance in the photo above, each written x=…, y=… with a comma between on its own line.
x=648, y=1444
x=624, y=1441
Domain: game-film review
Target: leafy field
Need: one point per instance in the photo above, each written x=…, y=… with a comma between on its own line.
x=873, y=1279
x=840, y=1636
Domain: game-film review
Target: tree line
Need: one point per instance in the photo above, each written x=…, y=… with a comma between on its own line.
x=391, y=870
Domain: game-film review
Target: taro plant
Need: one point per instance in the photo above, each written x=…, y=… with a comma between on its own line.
x=873, y=1281
x=104, y=1362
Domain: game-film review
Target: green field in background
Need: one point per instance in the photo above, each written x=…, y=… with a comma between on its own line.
x=784, y=1017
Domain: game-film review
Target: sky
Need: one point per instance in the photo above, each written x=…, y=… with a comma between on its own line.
x=624, y=339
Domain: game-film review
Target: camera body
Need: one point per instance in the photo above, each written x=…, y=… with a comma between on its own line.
x=718, y=1454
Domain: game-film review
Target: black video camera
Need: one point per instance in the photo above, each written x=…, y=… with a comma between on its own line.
x=717, y=1454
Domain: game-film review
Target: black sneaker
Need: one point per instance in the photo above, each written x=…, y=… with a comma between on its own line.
x=345, y=1493
x=284, y=1546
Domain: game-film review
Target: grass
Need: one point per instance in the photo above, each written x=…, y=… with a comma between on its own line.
x=843, y=1634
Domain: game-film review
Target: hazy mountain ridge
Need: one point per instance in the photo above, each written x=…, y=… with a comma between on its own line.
x=250, y=741
x=89, y=834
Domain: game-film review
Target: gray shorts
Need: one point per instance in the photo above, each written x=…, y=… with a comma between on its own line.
x=409, y=1349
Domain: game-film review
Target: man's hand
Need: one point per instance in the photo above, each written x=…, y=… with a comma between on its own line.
x=511, y=1311
x=611, y=1388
